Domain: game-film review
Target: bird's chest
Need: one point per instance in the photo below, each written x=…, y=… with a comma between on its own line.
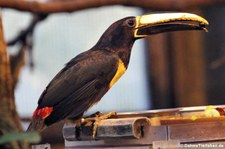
x=120, y=71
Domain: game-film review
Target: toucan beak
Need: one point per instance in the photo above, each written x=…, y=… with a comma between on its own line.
x=157, y=23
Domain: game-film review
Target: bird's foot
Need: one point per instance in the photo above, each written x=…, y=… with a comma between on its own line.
x=77, y=132
x=78, y=128
x=95, y=119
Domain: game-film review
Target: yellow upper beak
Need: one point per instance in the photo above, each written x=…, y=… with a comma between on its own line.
x=172, y=21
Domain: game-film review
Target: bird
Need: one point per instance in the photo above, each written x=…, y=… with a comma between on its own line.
x=87, y=77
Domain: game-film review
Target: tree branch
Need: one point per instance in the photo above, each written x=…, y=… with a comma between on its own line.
x=25, y=39
x=9, y=118
x=17, y=61
x=75, y=5
x=22, y=36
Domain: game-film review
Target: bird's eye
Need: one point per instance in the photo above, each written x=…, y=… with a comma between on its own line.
x=130, y=23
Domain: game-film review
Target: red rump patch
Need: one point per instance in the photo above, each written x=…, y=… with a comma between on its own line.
x=43, y=112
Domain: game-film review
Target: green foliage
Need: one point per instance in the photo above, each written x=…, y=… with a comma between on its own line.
x=31, y=137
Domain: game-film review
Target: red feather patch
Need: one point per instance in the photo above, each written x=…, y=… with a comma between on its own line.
x=43, y=112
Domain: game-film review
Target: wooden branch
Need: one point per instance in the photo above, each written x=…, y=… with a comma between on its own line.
x=17, y=62
x=22, y=36
x=75, y=5
x=25, y=38
x=9, y=118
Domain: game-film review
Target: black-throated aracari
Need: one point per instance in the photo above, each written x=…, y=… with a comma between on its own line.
x=88, y=76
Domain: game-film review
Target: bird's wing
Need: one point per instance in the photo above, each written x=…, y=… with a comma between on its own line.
x=82, y=78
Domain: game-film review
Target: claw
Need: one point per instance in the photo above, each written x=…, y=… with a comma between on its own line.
x=98, y=119
x=98, y=116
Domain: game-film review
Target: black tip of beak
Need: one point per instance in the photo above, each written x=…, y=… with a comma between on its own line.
x=203, y=27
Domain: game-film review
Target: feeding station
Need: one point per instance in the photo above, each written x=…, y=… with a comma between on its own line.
x=166, y=128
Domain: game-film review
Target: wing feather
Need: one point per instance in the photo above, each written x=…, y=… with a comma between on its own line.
x=79, y=85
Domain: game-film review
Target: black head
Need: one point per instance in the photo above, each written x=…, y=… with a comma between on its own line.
x=119, y=35
x=123, y=33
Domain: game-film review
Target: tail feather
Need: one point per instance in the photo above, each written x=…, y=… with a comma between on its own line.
x=38, y=118
x=37, y=124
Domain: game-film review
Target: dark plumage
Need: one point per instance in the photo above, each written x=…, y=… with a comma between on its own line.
x=87, y=77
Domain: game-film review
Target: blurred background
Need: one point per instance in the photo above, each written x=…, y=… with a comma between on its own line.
x=63, y=36
x=168, y=70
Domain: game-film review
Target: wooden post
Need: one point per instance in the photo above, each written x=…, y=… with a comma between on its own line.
x=188, y=68
x=176, y=69
x=158, y=68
